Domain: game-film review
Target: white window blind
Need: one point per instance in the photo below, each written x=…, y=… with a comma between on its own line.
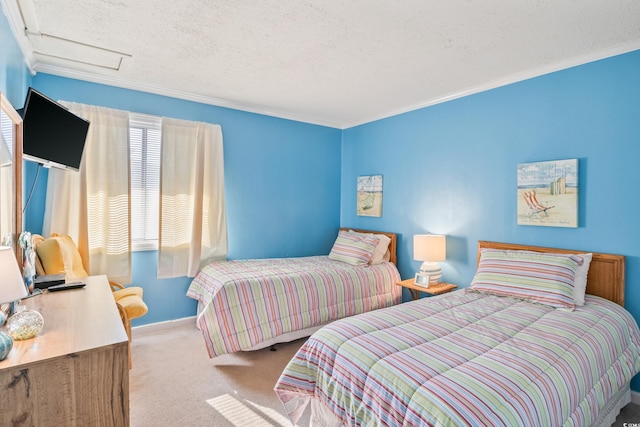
x=144, y=146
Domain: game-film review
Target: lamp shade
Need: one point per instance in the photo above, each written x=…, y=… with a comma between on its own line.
x=12, y=286
x=429, y=247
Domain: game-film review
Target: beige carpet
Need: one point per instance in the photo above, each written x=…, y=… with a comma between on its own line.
x=173, y=382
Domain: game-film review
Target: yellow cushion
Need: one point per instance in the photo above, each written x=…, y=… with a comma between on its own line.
x=59, y=255
x=132, y=290
x=133, y=305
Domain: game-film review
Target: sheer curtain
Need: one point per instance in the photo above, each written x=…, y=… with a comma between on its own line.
x=193, y=225
x=92, y=205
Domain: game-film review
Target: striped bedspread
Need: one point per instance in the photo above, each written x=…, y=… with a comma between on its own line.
x=467, y=359
x=251, y=301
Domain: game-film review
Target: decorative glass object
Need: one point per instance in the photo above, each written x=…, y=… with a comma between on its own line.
x=25, y=325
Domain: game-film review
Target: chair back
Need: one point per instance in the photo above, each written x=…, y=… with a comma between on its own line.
x=58, y=255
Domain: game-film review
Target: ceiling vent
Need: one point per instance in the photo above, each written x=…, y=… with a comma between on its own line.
x=41, y=49
x=71, y=50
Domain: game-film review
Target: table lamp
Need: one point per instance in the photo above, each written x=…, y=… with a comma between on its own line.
x=21, y=325
x=431, y=249
x=11, y=289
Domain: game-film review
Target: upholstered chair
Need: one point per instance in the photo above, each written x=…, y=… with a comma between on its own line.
x=59, y=255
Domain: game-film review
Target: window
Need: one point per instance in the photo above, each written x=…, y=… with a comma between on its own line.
x=144, y=148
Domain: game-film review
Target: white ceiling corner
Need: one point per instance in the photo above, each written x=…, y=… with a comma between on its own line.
x=333, y=63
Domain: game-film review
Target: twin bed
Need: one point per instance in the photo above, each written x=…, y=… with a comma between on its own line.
x=498, y=353
x=522, y=345
x=251, y=304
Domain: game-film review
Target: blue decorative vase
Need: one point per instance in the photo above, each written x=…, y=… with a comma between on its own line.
x=6, y=344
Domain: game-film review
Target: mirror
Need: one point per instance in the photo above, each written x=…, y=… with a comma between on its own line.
x=10, y=176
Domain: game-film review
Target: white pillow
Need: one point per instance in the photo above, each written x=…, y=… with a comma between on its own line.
x=381, y=254
x=580, y=283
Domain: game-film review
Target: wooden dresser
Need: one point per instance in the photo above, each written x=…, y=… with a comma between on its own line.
x=76, y=371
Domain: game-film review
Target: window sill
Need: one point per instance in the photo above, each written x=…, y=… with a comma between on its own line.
x=144, y=246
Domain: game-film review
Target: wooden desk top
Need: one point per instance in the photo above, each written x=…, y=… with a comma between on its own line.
x=75, y=320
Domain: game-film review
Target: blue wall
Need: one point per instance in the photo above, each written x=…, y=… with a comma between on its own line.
x=282, y=184
x=15, y=79
x=14, y=74
x=451, y=168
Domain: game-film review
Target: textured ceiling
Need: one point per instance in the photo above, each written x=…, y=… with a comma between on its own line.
x=336, y=63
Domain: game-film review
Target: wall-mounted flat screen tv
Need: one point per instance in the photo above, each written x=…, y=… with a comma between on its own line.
x=51, y=134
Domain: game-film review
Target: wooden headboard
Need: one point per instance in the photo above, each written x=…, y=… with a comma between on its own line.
x=392, y=245
x=606, y=272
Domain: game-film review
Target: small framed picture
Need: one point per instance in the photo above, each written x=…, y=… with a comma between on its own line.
x=422, y=279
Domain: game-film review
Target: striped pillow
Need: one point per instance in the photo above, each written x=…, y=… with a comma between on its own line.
x=353, y=248
x=537, y=277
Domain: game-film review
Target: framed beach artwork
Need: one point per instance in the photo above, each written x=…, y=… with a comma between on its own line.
x=548, y=193
x=369, y=202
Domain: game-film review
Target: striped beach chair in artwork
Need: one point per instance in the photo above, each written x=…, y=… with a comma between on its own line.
x=535, y=207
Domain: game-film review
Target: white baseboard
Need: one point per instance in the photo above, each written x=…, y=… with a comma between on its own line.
x=635, y=397
x=161, y=326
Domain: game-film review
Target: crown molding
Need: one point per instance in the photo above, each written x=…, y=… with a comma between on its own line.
x=513, y=78
x=188, y=96
x=504, y=81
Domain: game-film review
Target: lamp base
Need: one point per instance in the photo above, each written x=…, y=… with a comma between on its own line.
x=433, y=269
x=6, y=344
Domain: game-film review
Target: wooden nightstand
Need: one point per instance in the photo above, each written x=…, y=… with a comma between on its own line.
x=415, y=290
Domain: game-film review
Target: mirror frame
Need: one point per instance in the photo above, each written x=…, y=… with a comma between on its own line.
x=11, y=112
